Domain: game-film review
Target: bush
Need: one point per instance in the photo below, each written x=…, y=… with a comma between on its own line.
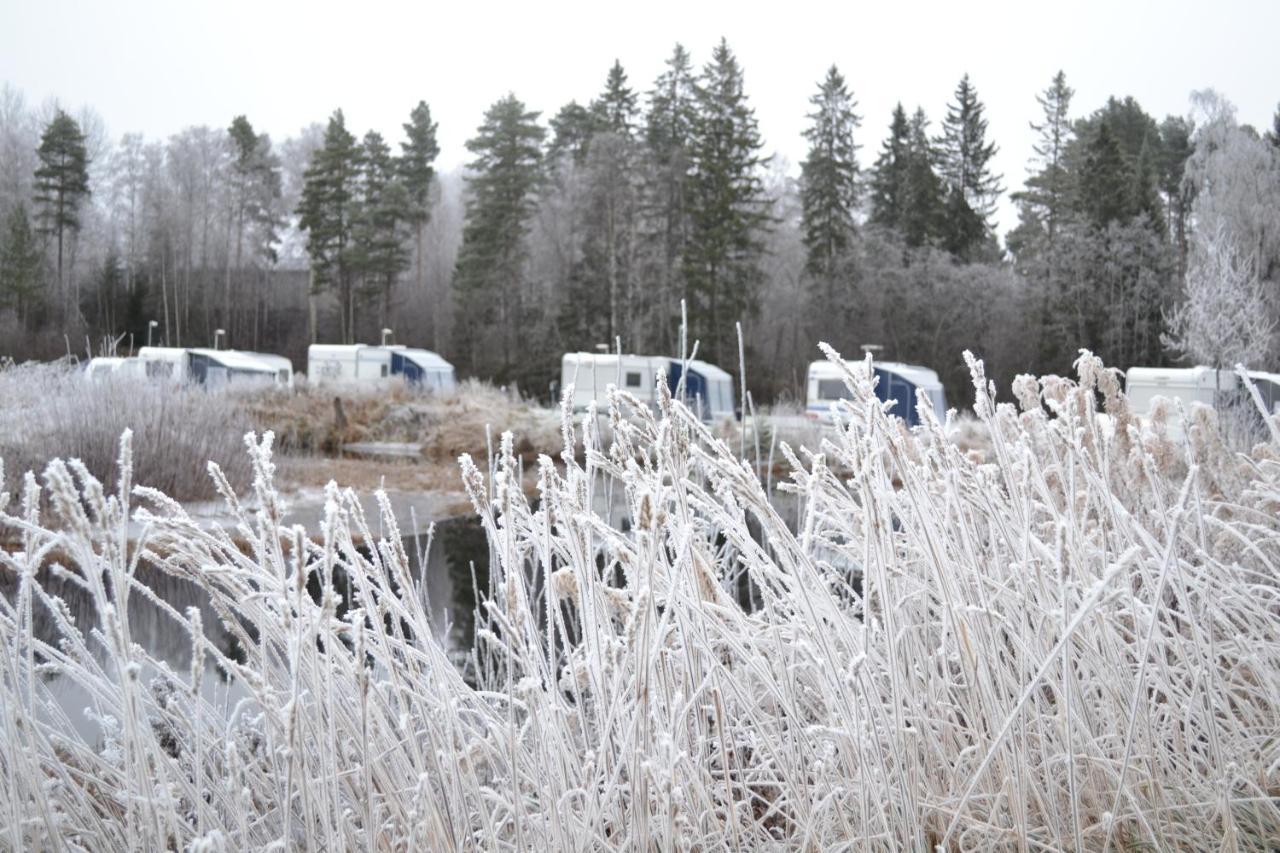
x=1071, y=646
x=52, y=411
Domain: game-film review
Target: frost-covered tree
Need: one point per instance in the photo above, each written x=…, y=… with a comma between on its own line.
x=1224, y=319
x=1234, y=178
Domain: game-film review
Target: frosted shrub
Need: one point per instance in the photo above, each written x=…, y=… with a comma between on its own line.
x=1070, y=646
x=54, y=410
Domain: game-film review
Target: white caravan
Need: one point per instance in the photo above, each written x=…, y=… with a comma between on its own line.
x=104, y=367
x=1188, y=384
x=215, y=368
x=896, y=382
x=705, y=385
x=360, y=364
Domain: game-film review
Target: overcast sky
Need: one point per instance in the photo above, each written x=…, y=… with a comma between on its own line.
x=155, y=67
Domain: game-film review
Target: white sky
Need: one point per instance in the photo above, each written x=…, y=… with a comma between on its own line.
x=155, y=67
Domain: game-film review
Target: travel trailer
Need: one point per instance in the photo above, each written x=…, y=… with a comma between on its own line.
x=359, y=364
x=705, y=386
x=1188, y=384
x=215, y=368
x=896, y=382
x=103, y=367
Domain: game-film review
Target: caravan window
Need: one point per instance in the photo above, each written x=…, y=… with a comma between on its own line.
x=832, y=389
x=385, y=368
x=633, y=380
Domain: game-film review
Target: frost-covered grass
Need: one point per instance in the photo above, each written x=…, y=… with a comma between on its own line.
x=53, y=410
x=445, y=425
x=1072, y=646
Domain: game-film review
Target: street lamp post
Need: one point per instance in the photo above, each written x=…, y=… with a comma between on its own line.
x=386, y=333
x=151, y=326
x=217, y=334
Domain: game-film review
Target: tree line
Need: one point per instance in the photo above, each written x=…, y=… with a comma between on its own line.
x=595, y=227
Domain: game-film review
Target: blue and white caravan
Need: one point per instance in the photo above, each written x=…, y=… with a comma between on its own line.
x=896, y=382
x=216, y=368
x=706, y=386
x=364, y=364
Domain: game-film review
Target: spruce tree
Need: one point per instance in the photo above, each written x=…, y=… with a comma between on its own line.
x=383, y=206
x=924, y=195
x=617, y=107
x=327, y=212
x=601, y=293
x=964, y=157
x=489, y=280
x=728, y=208
x=665, y=193
x=61, y=181
x=20, y=279
x=889, y=175
x=1104, y=186
x=1273, y=135
x=829, y=180
x=416, y=172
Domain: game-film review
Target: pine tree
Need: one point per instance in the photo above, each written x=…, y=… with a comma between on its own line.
x=924, y=196
x=20, y=280
x=727, y=207
x=964, y=157
x=255, y=190
x=889, y=175
x=327, y=211
x=829, y=180
x=416, y=172
x=571, y=131
x=61, y=181
x=383, y=207
x=489, y=280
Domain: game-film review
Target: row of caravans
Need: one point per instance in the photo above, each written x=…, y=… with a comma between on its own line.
x=706, y=387
x=898, y=383
x=711, y=390
x=326, y=364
